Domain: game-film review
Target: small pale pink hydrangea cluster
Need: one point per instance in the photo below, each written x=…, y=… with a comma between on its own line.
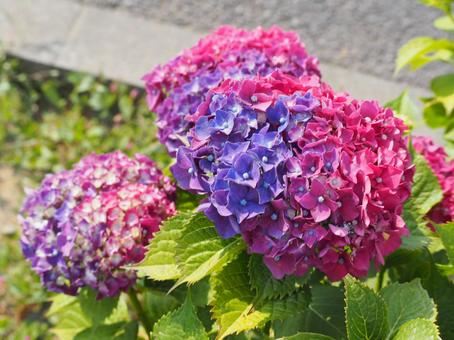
x=309, y=177
x=444, y=170
x=82, y=226
x=176, y=89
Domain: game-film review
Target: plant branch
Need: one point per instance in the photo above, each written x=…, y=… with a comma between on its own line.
x=139, y=311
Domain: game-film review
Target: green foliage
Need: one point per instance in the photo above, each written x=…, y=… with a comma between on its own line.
x=365, y=312
x=419, y=51
x=406, y=265
x=438, y=111
x=96, y=310
x=407, y=301
x=200, y=250
x=405, y=108
x=446, y=232
x=307, y=336
x=85, y=317
x=180, y=324
x=418, y=329
x=237, y=307
x=49, y=119
x=160, y=260
x=426, y=192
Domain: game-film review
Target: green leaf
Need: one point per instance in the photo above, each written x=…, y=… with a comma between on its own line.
x=60, y=302
x=418, y=329
x=445, y=23
x=236, y=307
x=405, y=108
x=443, y=86
x=160, y=260
x=157, y=304
x=446, y=232
x=115, y=331
x=426, y=191
x=200, y=250
x=327, y=311
x=307, y=336
x=435, y=115
x=407, y=301
x=404, y=265
x=266, y=285
x=365, y=312
x=71, y=321
x=233, y=299
x=96, y=310
x=419, y=51
x=418, y=228
x=180, y=324
x=443, y=5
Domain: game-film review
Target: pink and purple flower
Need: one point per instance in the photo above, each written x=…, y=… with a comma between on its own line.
x=176, y=89
x=309, y=177
x=81, y=227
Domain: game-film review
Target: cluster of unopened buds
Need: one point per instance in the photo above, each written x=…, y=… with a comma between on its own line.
x=176, y=89
x=309, y=177
x=444, y=170
x=81, y=227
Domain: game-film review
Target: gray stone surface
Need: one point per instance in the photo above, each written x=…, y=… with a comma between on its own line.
x=362, y=35
x=123, y=46
x=38, y=29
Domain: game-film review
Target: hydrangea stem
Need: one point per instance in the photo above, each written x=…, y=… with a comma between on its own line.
x=380, y=279
x=139, y=311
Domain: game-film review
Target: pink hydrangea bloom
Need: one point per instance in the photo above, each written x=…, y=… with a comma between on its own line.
x=178, y=87
x=444, y=170
x=309, y=177
x=82, y=226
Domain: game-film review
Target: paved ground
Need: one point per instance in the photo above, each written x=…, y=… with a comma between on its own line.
x=359, y=34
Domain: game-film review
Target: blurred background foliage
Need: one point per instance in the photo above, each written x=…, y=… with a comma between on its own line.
x=49, y=119
x=438, y=108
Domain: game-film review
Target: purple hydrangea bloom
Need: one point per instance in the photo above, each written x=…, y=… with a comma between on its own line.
x=308, y=177
x=81, y=227
x=176, y=89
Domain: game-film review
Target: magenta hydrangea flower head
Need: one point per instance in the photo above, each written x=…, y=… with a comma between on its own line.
x=444, y=170
x=176, y=89
x=309, y=177
x=81, y=227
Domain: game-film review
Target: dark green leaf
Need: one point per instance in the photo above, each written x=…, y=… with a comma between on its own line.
x=435, y=115
x=157, y=304
x=446, y=232
x=443, y=86
x=307, y=336
x=180, y=324
x=365, y=312
x=426, y=191
x=407, y=301
x=96, y=310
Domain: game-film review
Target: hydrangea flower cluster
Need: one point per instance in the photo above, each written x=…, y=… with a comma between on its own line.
x=444, y=170
x=176, y=89
x=82, y=226
x=308, y=177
